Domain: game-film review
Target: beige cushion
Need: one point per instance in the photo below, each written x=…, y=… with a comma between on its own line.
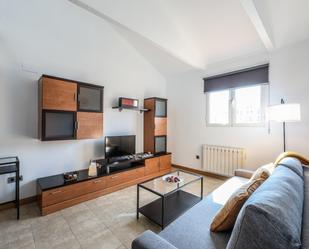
x=227, y=215
x=263, y=172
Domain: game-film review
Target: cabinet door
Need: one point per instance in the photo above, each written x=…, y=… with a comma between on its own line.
x=165, y=162
x=90, y=98
x=59, y=95
x=160, y=126
x=126, y=176
x=160, y=108
x=69, y=192
x=152, y=166
x=58, y=125
x=160, y=144
x=89, y=125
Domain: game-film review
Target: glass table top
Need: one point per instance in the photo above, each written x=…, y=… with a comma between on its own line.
x=162, y=187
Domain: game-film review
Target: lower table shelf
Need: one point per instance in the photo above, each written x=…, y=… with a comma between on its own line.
x=175, y=205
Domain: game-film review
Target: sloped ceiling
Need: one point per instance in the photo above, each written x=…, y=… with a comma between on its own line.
x=285, y=20
x=181, y=35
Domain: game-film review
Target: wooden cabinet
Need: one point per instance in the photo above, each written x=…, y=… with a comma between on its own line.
x=90, y=98
x=125, y=176
x=61, y=194
x=152, y=165
x=58, y=125
x=69, y=109
x=54, y=195
x=165, y=162
x=155, y=125
x=160, y=126
x=157, y=164
x=59, y=95
x=89, y=125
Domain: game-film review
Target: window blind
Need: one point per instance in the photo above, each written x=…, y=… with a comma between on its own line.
x=245, y=77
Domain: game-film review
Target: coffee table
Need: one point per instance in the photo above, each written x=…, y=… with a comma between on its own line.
x=173, y=199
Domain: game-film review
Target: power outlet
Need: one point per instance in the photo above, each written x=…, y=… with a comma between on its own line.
x=12, y=179
x=197, y=157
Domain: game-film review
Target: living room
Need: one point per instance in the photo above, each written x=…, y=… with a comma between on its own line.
x=167, y=79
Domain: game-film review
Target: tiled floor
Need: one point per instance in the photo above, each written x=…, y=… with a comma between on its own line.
x=107, y=222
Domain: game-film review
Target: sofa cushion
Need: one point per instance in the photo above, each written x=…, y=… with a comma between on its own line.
x=263, y=172
x=305, y=225
x=192, y=229
x=226, y=217
x=272, y=216
x=149, y=240
x=293, y=164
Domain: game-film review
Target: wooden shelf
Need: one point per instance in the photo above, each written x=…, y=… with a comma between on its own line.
x=120, y=108
x=155, y=125
x=175, y=205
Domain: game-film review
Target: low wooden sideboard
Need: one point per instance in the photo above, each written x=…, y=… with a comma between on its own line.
x=55, y=194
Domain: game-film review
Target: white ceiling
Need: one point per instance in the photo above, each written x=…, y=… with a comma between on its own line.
x=286, y=21
x=180, y=35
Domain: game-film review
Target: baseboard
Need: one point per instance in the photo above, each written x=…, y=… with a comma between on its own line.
x=200, y=172
x=11, y=204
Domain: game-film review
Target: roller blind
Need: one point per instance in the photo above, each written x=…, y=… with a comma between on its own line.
x=246, y=77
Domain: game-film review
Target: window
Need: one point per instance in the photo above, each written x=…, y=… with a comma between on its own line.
x=220, y=105
x=243, y=106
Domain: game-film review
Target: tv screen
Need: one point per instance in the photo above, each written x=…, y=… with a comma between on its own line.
x=116, y=146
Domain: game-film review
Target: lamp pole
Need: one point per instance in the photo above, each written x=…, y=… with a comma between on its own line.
x=283, y=124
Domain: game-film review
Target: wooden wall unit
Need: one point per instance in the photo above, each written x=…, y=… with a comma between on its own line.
x=152, y=166
x=89, y=125
x=149, y=125
x=160, y=126
x=59, y=95
x=69, y=109
x=155, y=125
x=165, y=162
x=57, y=198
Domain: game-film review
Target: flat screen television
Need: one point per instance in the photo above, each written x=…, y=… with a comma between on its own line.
x=117, y=146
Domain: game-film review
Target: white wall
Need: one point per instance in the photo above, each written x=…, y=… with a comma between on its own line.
x=58, y=38
x=289, y=79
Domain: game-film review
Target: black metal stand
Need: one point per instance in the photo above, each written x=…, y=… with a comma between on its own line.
x=10, y=165
x=284, y=146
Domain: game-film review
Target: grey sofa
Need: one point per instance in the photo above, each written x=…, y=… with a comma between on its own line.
x=276, y=216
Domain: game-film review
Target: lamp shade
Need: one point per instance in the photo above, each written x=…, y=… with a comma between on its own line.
x=284, y=113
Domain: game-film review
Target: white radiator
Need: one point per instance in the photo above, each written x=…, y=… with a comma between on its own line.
x=222, y=160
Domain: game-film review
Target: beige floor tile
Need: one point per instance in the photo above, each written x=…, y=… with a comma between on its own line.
x=122, y=247
x=102, y=240
x=107, y=222
x=127, y=230
x=74, y=209
x=61, y=238
x=77, y=217
x=56, y=224
x=87, y=229
x=22, y=241
x=6, y=246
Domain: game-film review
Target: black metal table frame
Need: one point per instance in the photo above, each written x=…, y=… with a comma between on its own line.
x=16, y=171
x=163, y=196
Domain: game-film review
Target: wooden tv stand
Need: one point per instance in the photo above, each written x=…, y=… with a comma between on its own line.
x=55, y=194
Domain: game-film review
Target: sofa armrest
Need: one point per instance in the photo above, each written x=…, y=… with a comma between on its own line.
x=149, y=240
x=243, y=173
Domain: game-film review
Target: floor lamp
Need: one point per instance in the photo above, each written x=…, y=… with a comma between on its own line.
x=284, y=113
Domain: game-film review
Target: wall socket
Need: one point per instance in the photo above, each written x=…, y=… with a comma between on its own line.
x=12, y=179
